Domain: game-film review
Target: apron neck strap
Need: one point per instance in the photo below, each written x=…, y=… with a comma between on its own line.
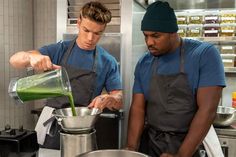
x=68, y=53
x=155, y=59
x=181, y=55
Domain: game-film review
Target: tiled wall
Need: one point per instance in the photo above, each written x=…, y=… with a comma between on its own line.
x=16, y=34
x=44, y=28
x=44, y=22
x=20, y=30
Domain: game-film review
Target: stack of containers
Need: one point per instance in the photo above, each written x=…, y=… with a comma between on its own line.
x=182, y=23
x=195, y=24
x=228, y=25
x=211, y=24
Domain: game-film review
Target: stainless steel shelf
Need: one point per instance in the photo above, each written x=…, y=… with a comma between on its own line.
x=215, y=39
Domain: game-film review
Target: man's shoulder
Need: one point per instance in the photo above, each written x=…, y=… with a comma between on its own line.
x=105, y=55
x=146, y=58
x=198, y=46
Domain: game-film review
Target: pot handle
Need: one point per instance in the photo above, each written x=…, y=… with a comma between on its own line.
x=49, y=120
x=108, y=115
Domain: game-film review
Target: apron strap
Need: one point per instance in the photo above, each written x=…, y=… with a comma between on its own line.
x=95, y=60
x=155, y=59
x=68, y=53
x=181, y=55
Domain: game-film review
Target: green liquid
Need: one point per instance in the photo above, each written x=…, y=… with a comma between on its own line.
x=27, y=93
x=72, y=105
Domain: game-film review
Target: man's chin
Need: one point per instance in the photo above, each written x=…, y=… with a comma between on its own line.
x=154, y=53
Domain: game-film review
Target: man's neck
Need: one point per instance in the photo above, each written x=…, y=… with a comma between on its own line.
x=176, y=44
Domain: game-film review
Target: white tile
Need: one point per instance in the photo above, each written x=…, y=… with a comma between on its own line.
x=1, y=7
x=10, y=8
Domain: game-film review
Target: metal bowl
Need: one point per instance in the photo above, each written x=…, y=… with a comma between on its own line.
x=84, y=120
x=225, y=116
x=112, y=153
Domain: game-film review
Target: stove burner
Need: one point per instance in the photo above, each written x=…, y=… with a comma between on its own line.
x=12, y=133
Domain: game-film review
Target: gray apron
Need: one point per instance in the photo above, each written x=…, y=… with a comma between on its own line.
x=169, y=111
x=82, y=85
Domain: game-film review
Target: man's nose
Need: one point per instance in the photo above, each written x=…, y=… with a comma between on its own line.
x=90, y=36
x=149, y=41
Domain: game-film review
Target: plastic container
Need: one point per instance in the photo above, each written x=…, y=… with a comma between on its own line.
x=195, y=18
x=194, y=31
x=211, y=30
x=45, y=85
x=182, y=30
x=227, y=49
x=227, y=29
x=228, y=62
x=211, y=17
x=228, y=16
x=181, y=18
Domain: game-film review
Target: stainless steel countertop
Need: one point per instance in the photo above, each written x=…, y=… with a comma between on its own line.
x=48, y=153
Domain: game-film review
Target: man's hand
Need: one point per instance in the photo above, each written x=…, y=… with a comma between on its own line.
x=41, y=62
x=112, y=101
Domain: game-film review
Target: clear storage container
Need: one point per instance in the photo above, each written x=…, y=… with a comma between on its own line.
x=211, y=17
x=228, y=16
x=227, y=29
x=195, y=18
x=194, y=31
x=227, y=49
x=229, y=62
x=182, y=18
x=211, y=30
x=182, y=30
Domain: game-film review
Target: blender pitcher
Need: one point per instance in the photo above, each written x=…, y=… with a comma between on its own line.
x=45, y=85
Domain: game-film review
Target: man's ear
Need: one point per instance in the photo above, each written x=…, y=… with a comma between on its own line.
x=79, y=21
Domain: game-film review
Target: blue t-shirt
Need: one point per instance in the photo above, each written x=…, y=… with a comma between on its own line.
x=107, y=69
x=202, y=64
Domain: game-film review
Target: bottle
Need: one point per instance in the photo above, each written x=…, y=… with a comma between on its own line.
x=234, y=99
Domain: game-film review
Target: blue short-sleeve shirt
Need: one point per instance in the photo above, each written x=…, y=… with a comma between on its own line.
x=202, y=64
x=107, y=69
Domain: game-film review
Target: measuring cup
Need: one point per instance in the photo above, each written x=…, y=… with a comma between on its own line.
x=45, y=85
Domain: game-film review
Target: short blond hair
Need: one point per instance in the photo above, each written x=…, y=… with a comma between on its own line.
x=96, y=12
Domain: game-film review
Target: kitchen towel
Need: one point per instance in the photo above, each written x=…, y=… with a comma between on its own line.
x=41, y=128
x=212, y=144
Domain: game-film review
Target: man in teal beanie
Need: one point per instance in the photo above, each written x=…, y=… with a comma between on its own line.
x=177, y=87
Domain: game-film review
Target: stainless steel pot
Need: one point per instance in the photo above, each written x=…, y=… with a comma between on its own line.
x=112, y=153
x=84, y=120
x=225, y=116
x=75, y=144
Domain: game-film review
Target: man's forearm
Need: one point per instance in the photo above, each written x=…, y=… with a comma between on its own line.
x=20, y=60
x=197, y=132
x=136, y=121
x=135, y=129
x=118, y=96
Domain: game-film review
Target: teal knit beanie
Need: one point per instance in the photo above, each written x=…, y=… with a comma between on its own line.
x=159, y=17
